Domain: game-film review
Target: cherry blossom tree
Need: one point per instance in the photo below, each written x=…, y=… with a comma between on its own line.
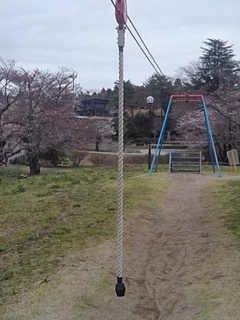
x=9, y=93
x=216, y=75
x=223, y=109
x=41, y=115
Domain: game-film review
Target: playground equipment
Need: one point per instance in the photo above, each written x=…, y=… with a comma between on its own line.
x=185, y=161
x=184, y=98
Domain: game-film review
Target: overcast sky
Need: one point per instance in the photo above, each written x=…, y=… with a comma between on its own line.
x=81, y=35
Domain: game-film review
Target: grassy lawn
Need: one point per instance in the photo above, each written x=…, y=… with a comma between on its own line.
x=44, y=218
x=225, y=195
x=227, y=201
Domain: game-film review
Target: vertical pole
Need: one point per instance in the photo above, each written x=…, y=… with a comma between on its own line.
x=149, y=141
x=200, y=163
x=170, y=163
x=150, y=101
x=234, y=161
x=120, y=287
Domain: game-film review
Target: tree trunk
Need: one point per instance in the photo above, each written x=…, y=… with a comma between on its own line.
x=2, y=157
x=97, y=145
x=33, y=162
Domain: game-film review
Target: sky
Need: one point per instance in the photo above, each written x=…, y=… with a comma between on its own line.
x=81, y=35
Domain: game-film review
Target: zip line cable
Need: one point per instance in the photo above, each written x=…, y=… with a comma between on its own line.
x=156, y=66
x=143, y=51
x=145, y=46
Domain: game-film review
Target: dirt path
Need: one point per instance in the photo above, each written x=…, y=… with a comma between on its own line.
x=178, y=266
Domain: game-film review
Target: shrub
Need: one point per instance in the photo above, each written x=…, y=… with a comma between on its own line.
x=76, y=157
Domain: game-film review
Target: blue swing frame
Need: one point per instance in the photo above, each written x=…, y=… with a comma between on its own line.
x=185, y=98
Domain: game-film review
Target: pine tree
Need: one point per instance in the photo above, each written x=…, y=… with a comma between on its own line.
x=217, y=65
x=160, y=88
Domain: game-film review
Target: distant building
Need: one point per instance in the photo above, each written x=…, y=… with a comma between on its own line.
x=93, y=106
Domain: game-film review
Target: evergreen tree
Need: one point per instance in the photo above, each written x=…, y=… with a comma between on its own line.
x=160, y=88
x=217, y=66
x=137, y=127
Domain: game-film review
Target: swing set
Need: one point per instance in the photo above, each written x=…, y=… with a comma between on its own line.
x=185, y=98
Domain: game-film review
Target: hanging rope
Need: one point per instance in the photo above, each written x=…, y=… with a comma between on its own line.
x=120, y=288
x=121, y=16
x=120, y=171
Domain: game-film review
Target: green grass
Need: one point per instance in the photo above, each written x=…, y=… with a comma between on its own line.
x=212, y=294
x=227, y=201
x=43, y=218
x=223, y=169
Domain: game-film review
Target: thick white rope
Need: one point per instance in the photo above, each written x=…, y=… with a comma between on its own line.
x=120, y=168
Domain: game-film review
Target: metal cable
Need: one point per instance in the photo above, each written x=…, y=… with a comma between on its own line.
x=143, y=51
x=145, y=46
x=158, y=69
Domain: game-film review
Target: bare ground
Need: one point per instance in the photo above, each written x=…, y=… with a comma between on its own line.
x=179, y=264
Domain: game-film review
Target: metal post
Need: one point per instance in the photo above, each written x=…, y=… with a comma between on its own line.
x=149, y=145
x=170, y=163
x=150, y=101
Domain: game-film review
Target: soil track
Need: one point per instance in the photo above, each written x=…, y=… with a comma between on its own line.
x=178, y=266
x=179, y=236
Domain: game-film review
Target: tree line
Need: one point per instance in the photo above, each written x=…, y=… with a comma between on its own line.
x=216, y=75
x=37, y=107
